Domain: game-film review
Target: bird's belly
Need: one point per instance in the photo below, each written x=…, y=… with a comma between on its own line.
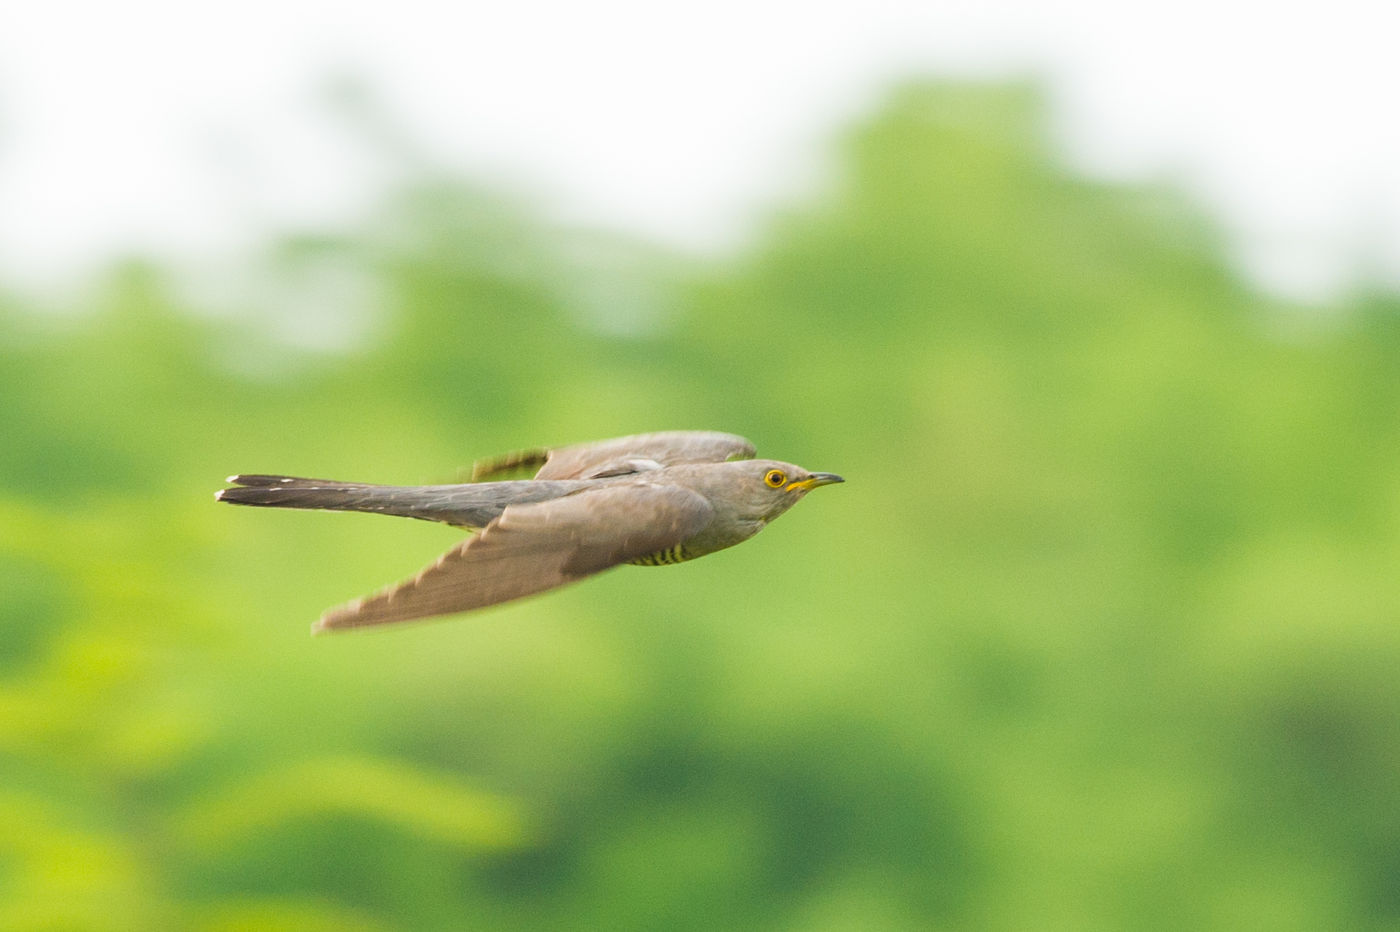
x=676, y=554
x=702, y=544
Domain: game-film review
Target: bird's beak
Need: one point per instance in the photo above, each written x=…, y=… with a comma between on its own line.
x=814, y=480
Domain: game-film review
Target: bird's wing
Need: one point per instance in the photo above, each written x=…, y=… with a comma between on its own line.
x=620, y=455
x=517, y=462
x=534, y=547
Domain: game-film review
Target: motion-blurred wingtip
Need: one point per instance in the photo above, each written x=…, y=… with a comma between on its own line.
x=330, y=622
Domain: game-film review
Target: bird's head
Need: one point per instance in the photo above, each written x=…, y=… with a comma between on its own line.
x=767, y=488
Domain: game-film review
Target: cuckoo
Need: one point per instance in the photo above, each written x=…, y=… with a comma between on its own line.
x=648, y=500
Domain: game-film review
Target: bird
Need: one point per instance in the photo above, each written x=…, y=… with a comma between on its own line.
x=653, y=499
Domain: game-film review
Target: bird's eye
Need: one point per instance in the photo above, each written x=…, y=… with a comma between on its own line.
x=775, y=478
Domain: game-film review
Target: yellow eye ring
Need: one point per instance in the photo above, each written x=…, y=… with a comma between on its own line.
x=775, y=478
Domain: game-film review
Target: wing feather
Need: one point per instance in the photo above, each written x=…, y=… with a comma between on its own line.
x=534, y=547
x=667, y=448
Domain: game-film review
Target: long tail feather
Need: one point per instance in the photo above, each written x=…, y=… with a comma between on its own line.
x=297, y=492
x=471, y=505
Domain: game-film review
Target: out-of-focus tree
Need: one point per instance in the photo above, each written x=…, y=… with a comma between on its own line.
x=1100, y=633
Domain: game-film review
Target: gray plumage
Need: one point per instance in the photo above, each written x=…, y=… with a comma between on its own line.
x=648, y=499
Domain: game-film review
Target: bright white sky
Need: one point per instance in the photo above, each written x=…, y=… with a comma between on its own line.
x=187, y=128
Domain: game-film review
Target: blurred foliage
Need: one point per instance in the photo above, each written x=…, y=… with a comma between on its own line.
x=1101, y=633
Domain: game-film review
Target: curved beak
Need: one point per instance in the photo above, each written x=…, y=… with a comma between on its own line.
x=814, y=480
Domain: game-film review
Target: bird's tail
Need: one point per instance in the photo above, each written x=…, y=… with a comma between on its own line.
x=329, y=495
x=469, y=505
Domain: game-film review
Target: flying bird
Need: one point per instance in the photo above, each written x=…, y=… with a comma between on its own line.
x=648, y=500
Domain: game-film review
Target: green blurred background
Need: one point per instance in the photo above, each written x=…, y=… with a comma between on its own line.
x=1100, y=633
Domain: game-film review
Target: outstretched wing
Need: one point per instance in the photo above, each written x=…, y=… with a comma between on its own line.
x=668, y=448
x=620, y=455
x=534, y=547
